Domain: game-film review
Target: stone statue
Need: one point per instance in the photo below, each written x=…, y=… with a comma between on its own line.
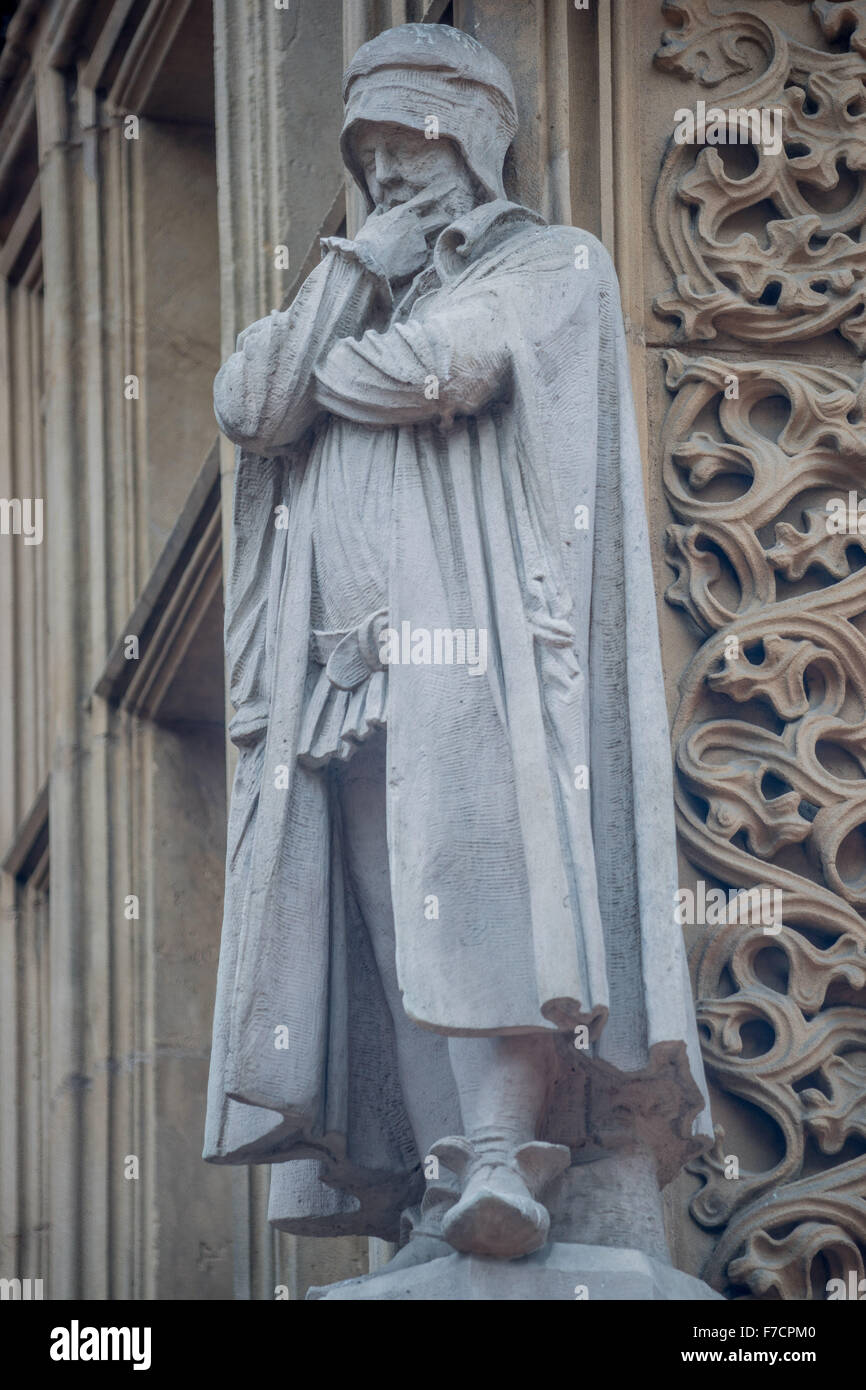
x=452, y=1002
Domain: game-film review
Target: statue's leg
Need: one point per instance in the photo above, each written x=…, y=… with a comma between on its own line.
x=424, y=1069
x=422, y=1056
x=499, y=1085
x=504, y=1084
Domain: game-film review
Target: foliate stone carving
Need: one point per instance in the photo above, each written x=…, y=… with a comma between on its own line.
x=803, y=273
x=769, y=738
x=770, y=743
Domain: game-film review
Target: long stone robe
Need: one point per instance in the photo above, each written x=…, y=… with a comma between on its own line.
x=555, y=898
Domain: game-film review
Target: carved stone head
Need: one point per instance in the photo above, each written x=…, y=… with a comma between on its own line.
x=423, y=101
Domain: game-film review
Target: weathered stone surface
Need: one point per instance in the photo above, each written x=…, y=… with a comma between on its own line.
x=452, y=804
x=761, y=461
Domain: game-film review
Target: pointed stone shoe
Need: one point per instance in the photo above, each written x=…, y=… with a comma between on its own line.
x=498, y=1213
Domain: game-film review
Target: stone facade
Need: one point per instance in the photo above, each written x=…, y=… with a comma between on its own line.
x=166, y=172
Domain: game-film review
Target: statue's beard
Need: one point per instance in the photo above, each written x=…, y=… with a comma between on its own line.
x=457, y=202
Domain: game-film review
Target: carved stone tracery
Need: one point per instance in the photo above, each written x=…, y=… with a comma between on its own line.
x=770, y=733
x=804, y=276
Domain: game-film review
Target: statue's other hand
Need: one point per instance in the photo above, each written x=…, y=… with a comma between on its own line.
x=399, y=239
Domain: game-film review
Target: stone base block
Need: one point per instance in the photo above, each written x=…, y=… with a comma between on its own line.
x=559, y=1272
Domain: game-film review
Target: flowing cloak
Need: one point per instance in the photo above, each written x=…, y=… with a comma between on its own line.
x=534, y=801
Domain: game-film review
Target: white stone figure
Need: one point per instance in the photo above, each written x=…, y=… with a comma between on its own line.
x=450, y=968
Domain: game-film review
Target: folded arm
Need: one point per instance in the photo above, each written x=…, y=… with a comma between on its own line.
x=452, y=362
x=264, y=395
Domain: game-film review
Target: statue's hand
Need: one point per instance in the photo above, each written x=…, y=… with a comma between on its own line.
x=399, y=240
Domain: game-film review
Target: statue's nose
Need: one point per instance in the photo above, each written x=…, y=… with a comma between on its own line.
x=387, y=170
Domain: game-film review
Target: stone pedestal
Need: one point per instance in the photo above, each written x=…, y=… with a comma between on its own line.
x=558, y=1273
x=607, y=1243
x=614, y=1201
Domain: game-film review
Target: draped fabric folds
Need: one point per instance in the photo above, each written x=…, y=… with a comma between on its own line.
x=532, y=800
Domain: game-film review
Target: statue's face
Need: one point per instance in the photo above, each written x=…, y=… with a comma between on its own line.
x=398, y=163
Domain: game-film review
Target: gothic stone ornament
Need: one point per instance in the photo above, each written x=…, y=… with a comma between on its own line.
x=806, y=273
x=770, y=741
x=449, y=952
x=769, y=733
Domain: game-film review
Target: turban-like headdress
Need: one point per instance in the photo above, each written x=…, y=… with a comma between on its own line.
x=408, y=74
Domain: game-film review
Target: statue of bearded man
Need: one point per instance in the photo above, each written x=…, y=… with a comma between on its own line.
x=450, y=967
